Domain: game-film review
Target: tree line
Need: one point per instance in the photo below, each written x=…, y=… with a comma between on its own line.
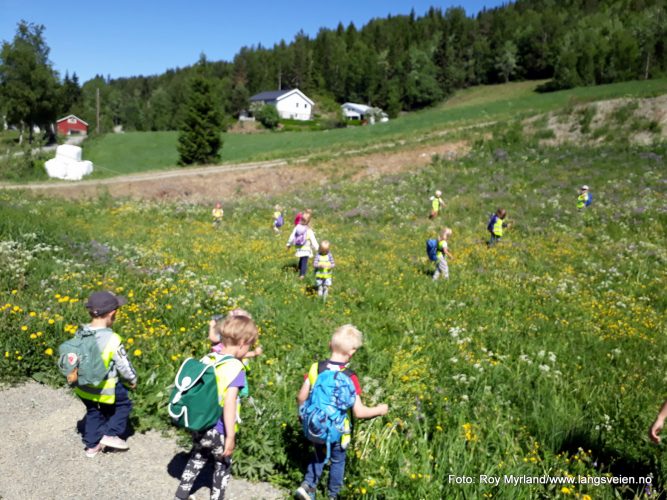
x=398, y=63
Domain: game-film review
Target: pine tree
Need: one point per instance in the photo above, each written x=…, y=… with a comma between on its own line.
x=200, y=138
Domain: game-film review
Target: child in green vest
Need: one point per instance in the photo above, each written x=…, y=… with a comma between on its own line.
x=108, y=406
x=436, y=204
x=323, y=264
x=238, y=334
x=496, y=225
x=583, y=198
x=442, y=269
x=344, y=343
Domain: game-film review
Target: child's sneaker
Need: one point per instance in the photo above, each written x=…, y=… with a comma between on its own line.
x=91, y=452
x=305, y=492
x=114, y=442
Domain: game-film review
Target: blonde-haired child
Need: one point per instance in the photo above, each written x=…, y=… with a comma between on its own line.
x=278, y=219
x=324, y=264
x=442, y=269
x=344, y=343
x=303, y=239
x=238, y=334
x=217, y=213
x=436, y=204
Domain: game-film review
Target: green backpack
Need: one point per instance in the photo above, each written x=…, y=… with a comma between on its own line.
x=194, y=402
x=80, y=359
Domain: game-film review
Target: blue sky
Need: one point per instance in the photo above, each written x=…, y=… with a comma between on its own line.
x=124, y=38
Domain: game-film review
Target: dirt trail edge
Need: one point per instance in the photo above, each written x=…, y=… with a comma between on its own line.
x=41, y=456
x=264, y=177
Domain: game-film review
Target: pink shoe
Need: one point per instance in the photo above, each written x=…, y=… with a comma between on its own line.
x=114, y=442
x=91, y=452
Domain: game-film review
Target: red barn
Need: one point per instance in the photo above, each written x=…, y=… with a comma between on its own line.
x=71, y=125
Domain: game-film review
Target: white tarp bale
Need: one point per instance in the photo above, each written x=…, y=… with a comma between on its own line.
x=67, y=164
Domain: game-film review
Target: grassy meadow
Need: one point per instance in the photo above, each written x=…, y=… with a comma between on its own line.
x=542, y=357
x=115, y=154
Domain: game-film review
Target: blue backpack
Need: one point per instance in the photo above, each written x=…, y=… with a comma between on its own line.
x=590, y=199
x=324, y=412
x=280, y=221
x=432, y=249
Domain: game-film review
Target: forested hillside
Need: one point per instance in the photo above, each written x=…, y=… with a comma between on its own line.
x=406, y=62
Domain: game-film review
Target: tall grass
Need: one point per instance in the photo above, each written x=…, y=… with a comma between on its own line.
x=541, y=357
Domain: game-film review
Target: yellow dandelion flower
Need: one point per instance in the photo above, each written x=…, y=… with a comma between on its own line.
x=130, y=340
x=565, y=490
x=33, y=336
x=24, y=328
x=137, y=352
x=48, y=351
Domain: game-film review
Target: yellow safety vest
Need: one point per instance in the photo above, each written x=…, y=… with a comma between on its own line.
x=326, y=272
x=435, y=205
x=581, y=200
x=105, y=391
x=498, y=227
x=225, y=374
x=441, y=248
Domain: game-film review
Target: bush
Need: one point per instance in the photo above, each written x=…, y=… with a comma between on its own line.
x=268, y=116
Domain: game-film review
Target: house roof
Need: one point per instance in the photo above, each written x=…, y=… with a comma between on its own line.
x=71, y=116
x=277, y=95
x=359, y=108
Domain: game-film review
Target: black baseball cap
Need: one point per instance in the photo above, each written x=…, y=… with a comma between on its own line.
x=100, y=303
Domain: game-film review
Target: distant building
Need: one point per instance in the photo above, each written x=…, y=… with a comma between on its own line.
x=291, y=104
x=354, y=111
x=71, y=125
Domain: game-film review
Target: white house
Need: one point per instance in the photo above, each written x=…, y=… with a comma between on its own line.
x=291, y=104
x=354, y=111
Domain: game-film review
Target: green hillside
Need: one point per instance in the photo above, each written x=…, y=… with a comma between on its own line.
x=115, y=154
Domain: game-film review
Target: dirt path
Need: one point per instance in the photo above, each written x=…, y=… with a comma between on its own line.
x=41, y=456
x=269, y=177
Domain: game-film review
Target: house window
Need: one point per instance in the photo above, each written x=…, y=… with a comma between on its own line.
x=71, y=120
x=297, y=104
x=305, y=106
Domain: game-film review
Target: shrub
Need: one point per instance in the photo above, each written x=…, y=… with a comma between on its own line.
x=268, y=116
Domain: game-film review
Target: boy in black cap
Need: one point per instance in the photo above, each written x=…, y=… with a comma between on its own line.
x=107, y=403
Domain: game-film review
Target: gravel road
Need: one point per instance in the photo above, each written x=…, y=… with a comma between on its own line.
x=41, y=456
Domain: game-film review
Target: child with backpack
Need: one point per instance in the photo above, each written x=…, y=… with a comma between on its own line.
x=585, y=198
x=303, y=239
x=329, y=390
x=106, y=399
x=496, y=225
x=442, y=269
x=278, y=219
x=323, y=264
x=217, y=442
x=436, y=204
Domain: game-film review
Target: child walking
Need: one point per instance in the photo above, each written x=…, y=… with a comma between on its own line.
x=344, y=343
x=238, y=334
x=303, y=239
x=323, y=264
x=107, y=403
x=496, y=225
x=278, y=219
x=217, y=214
x=584, y=198
x=442, y=269
x=436, y=204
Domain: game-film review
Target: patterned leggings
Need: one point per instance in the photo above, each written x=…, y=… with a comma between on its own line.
x=206, y=444
x=442, y=269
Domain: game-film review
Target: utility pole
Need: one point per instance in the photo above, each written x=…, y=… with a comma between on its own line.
x=97, y=111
